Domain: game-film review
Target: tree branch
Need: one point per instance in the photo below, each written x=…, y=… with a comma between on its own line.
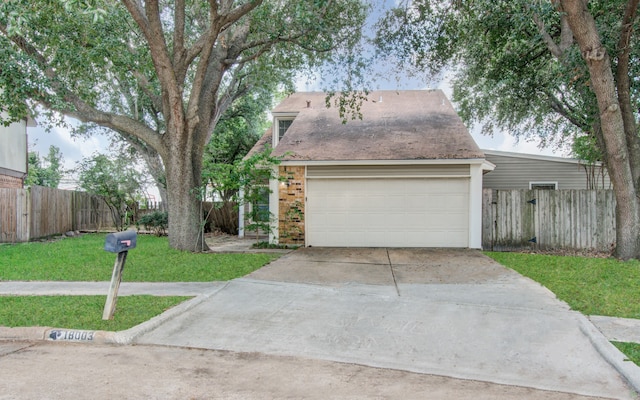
x=145, y=85
x=566, y=36
x=178, y=31
x=83, y=111
x=240, y=11
x=562, y=108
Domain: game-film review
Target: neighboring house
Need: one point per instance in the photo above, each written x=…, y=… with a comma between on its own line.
x=530, y=171
x=13, y=153
x=408, y=174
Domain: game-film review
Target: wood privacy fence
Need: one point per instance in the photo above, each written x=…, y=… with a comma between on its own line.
x=27, y=214
x=548, y=219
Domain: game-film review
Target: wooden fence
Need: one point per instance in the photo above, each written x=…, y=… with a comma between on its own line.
x=27, y=214
x=548, y=219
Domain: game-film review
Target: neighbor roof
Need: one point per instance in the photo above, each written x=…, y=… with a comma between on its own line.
x=395, y=125
x=538, y=157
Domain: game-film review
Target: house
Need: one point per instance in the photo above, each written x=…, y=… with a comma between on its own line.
x=531, y=171
x=13, y=153
x=408, y=174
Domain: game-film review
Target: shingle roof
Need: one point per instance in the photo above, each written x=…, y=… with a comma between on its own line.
x=395, y=125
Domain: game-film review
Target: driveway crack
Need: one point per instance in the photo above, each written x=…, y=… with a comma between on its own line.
x=393, y=275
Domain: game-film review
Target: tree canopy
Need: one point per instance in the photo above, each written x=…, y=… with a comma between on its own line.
x=164, y=71
x=504, y=74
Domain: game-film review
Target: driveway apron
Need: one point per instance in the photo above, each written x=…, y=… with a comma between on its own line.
x=447, y=312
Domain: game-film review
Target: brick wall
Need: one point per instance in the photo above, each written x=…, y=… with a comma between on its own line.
x=10, y=182
x=291, y=206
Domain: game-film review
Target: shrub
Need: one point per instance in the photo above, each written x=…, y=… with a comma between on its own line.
x=156, y=221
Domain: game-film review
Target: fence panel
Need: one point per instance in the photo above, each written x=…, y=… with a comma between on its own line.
x=514, y=220
x=14, y=215
x=549, y=219
x=51, y=211
x=90, y=212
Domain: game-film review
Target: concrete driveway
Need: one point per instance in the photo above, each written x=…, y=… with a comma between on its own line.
x=452, y=313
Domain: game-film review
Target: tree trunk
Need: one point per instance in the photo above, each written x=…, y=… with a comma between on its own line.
x=618, y=161
x=183, y=188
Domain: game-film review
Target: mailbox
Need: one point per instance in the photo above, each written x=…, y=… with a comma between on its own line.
x=120, y=241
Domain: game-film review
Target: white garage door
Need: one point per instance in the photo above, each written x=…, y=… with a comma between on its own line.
x=362, y=212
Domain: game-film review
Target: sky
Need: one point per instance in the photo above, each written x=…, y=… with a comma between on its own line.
x=75, y=149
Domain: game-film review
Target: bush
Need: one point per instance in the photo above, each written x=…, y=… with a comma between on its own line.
x=156, y=221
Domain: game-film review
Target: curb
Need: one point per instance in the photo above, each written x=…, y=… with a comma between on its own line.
x=626, y=368
x=45, y=333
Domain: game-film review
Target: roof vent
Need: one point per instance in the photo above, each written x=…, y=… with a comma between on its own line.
x=308, y=103
x=380, y=101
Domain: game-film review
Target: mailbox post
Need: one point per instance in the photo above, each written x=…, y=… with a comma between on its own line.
x=120, y=243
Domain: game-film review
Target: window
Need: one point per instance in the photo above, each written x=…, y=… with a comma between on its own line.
x=543, y=185
x=261, y=206
x=283, y=125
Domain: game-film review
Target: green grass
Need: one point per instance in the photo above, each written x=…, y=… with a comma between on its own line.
x=81, y=312
x=593, y=286
x=82, y=258
x=631, y=350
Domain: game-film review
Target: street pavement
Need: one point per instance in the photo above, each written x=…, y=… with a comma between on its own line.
x=368, y=323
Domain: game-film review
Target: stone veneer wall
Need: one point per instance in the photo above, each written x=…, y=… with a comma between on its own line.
x=291, y=206
x=10, y=182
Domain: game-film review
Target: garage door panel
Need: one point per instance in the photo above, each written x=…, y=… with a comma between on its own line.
x=387, y=212
x=335, y=222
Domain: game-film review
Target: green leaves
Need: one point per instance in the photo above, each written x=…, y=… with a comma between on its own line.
x=47, y=172
x=87, y=7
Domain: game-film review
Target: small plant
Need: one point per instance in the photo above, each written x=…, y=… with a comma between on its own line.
x=157, y=221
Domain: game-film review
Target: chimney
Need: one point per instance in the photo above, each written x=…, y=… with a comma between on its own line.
x=308, y=103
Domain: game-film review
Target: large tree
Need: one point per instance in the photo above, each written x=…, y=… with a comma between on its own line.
x=180, y=63
x=555, y=69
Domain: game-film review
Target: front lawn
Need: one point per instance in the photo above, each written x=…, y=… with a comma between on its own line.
x=81, y=312
x=82, y=258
